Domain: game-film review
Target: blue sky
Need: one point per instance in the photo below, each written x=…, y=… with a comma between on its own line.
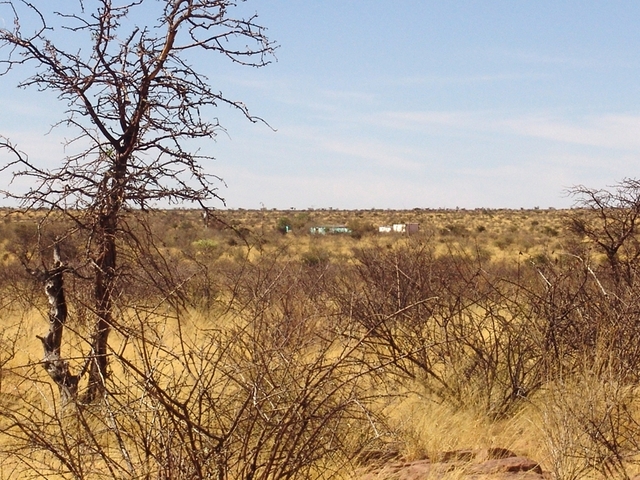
x=404, y=104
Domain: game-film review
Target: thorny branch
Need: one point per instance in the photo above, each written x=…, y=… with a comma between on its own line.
x=135, y=101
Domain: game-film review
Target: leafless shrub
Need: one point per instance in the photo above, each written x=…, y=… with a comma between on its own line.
x=448, y=321
x=260, y=389
x=609, y=219
x=586, y=322
x=590, y=424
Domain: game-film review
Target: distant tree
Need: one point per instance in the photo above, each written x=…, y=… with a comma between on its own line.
x=360, y=228
x=135, y=99
x=284, y=225
x=610, y=219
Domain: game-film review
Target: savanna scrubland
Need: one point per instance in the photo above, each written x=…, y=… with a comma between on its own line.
x=240, y=351
x=139, y=344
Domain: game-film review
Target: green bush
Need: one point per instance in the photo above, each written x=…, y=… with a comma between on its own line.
x=284, y=225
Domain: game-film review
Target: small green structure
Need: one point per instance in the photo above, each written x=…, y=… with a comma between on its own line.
x=329, y=229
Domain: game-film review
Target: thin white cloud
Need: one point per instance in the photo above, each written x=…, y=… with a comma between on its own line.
x=419, y=120
x=543, y=59
x=608, y=131
x=538, y=58
x=457, y=80
x=386, y=156
x=512, y=186
x=617, y=131
x=348, y=95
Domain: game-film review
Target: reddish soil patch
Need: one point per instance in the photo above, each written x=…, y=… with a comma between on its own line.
x=486, y=464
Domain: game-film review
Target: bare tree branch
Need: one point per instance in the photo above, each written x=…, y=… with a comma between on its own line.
x=135, y=99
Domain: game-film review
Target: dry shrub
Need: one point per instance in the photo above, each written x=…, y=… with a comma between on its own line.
x=447, y=321
x=287, y=367
x=264, y=389
x=590, y=427
x=588, y=324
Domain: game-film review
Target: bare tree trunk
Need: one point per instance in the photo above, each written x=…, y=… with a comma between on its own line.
x=135, y=101
x=105, y=278
x=104, y=283
x=56, y=367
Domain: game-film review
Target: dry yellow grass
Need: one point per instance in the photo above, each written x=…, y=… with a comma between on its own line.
x=545, y=428
x=493, y=233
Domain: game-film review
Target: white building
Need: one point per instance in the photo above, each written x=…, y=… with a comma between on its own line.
x=407, y=228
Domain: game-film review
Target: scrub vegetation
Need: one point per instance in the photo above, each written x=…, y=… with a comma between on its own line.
x=184, y=344
x=242, y=352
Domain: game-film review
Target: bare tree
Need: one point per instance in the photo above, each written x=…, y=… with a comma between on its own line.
x=609, y=218
x=134, y=100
